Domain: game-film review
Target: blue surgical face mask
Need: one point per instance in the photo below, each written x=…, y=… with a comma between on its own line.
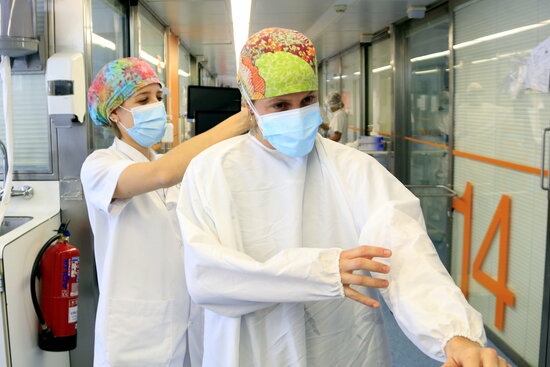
x=292, y=132
x=149, y=123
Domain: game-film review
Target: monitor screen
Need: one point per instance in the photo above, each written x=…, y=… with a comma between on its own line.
x=202, y=98
x=205, y=120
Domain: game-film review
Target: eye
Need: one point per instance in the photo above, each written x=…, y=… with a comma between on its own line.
x=309, y=100
x=160, y=98
x=278, y=106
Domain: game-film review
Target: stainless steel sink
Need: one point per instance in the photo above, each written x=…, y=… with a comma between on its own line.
x=12, y=222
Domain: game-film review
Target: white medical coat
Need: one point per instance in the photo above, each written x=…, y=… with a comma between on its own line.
x=262, y=237
x=339, y=123
x=144, y=308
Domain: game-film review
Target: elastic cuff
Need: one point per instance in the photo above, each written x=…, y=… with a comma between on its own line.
x=337, y=270
x=329, y=259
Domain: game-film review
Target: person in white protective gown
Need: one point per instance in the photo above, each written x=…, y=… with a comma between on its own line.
x=338, y=126
x=281, y=226
x=144, y=310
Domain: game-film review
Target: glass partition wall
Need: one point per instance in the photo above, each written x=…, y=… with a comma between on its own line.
x=502, y=106
x=380, y=80
x=380, y=97
x=352, y=96
x=152, y=43
x=184, y=77
x=343, y=74
x=424, y=122
x=110, y=41
x=471, y=104
x=32, y=153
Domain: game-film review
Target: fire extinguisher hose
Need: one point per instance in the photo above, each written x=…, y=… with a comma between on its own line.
x=61, y=233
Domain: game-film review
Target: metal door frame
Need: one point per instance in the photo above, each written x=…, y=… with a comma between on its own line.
x=544, y=352
x=402, y=107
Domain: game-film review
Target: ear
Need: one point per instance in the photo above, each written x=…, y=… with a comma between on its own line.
x=114, y=117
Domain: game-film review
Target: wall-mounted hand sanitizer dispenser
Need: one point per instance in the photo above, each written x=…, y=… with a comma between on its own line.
x=65, y=85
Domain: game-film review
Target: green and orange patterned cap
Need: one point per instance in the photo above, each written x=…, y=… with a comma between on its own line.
x=275, y=62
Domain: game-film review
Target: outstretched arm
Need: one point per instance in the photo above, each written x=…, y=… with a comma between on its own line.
x=168, y=170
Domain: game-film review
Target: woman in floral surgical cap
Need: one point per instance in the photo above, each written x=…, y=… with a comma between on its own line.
x=144, y=310
x=291, y=248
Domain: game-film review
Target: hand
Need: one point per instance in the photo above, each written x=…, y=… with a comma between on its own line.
x=360, y=258
x=462, y=352
x=242, y=121
x=251, y=118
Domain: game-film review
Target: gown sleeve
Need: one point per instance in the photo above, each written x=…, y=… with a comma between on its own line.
x=229, y=282
x=99, y=175
x=425, y=301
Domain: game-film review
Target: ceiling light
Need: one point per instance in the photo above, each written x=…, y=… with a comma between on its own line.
x=382, y=68
x=103, y=42
x=147, y=57
x=240, y=15
x=430, y=56
x=484, y=60
x=501, y=34
x=416, y=12
x=426, y=71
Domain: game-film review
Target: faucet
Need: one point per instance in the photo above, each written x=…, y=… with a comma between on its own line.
x=26, y=192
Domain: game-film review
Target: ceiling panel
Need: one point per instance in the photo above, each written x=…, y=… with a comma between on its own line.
x=260, y=7
x=205, y=28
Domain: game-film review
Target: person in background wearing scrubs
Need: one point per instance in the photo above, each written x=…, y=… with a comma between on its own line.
x=288, y=236
x=338, y=127
x=144, y=309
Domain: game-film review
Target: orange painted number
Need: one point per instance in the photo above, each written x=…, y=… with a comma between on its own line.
x=501, y=222
x=464, y=206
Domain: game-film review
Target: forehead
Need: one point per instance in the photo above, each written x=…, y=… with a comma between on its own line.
x=151, y=88
x=289, y=97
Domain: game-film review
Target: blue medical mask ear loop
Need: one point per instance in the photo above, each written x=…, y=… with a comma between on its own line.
x=253, y=131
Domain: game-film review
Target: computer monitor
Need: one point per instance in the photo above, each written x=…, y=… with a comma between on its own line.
x=205, y=120
x=215, y=99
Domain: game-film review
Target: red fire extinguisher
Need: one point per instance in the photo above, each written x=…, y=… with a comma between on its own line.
x=58, y=266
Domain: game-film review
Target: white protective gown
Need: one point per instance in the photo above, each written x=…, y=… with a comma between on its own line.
x=144, y=308
x=339, y=123
x=262, y=237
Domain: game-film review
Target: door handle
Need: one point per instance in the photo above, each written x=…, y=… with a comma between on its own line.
x=450, y=193
x=544, y=187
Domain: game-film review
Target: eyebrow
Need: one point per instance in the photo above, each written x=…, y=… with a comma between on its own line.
x=284, y=99
x=139, y=93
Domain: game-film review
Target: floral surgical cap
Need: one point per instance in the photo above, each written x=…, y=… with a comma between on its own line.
x=115, y=83
x=275, y=62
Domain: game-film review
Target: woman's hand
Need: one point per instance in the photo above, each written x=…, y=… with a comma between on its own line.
x=462, y=352
x=360, y=258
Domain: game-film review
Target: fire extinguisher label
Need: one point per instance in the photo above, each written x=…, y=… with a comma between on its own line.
x=74, y=267
x=73, y=314
x=74, y=289
x=73, y=310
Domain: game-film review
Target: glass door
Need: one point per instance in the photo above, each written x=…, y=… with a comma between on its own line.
x=380, y=97
x=500, y=227
x=352, y=95
x=427, y=124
